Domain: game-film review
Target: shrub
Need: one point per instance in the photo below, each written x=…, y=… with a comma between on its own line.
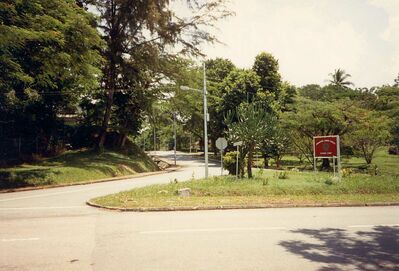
x=346, y=172
x=230, y=162
x=394, y=150
x=281, y=175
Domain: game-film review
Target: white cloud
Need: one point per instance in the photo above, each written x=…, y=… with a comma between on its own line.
x=312, y=38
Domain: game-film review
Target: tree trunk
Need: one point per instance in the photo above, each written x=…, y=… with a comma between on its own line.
x=325, y=165
x=278, y=162
x=123, y=140
x=213, y=145
x=241, y=163
x=107, y=117
x=249, y=164
x=265, y=160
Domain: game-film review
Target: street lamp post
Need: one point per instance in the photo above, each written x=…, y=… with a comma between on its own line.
x=205, y=119
x=174, y=136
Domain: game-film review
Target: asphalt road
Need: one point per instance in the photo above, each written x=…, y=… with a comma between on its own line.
x=54, y=230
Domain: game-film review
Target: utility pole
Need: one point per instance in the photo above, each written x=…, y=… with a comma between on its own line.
x=174, y=136
x=205, y=126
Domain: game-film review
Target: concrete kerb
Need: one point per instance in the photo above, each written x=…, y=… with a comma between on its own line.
x=135, y=176
x=235, y=207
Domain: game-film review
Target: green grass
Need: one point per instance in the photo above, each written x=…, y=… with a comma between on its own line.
x=74, y=167
x=386, y=164
x=265, y=188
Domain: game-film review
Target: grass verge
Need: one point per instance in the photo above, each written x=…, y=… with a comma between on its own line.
x=268, y=187
x=76, y=167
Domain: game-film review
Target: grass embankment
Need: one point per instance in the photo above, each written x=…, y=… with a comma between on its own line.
x=75, y=167
x=265, y=188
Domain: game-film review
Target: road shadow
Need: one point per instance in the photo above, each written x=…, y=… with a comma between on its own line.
x=338, y=249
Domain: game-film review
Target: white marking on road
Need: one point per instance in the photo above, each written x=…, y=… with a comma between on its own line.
x=212, y=230
x=20, y=239
x=43, y=208
x=372, y=226
x=47, y=195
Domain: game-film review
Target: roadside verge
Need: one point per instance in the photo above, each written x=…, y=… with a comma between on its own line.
x=232, y=207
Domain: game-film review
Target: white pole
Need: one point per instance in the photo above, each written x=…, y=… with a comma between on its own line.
x=205, y=127
x=174, y=136
x=155, y=141
x=334, y=165
x=190, y=143
x=339, y=157
x=314, y=155
x=238, y=151
x=221, y=162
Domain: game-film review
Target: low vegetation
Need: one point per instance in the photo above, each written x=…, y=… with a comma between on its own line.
x=74, y=167
x=267, y=187
x=360, y=184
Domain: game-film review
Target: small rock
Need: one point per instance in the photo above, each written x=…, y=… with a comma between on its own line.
x=184, y=192
x=163, y=192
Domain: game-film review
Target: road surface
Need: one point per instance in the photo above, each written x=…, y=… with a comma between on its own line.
x=54, y=230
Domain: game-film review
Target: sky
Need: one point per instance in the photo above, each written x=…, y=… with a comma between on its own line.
x=311, y=38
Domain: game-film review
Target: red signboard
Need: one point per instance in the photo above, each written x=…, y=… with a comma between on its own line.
x=326, y=146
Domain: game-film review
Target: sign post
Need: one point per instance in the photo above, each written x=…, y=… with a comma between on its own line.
x=238, y=144
x=327, y=147
x=221, y=144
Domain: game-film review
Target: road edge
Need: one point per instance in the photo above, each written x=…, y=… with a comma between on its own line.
x=235, y=207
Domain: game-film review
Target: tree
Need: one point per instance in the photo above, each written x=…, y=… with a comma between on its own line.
x=287, y=96
x=340, y=78
x=139, y=35
x=370, y=132
x=266, y=67
x=396, y=84
x=387, y=102
x=312, y=118
x=217, y=71
x=328, y=93
x=277, y=144
x=49, y=59
x=250, y=124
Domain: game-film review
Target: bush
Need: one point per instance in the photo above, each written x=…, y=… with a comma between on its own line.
x=230, y=162
x=394, y=150
x=346, y=172
x=282, y=175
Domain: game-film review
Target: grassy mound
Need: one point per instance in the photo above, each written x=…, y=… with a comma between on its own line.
x=76, y=166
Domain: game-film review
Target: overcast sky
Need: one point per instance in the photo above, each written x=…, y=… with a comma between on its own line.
x=311, y=38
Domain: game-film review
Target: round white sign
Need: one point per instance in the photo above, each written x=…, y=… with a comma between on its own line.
x=221, y=143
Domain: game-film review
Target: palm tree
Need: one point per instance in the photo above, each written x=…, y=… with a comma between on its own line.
x=340, y=78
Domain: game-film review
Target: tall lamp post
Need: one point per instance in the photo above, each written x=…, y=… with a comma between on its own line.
x=206, y=118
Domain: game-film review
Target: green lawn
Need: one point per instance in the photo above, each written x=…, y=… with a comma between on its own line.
x=386, y=164
x=75, y=166
x=265, y=188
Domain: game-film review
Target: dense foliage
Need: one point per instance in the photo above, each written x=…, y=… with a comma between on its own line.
x=72, y=78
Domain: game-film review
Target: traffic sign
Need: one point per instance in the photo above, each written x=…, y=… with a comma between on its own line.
x=326, y=146
x=221, y=143
x=239, y=143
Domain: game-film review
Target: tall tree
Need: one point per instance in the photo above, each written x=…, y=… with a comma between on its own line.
x=396, y=81
x=140, y=36
x=266, y=67
x=371, y=131
x=217, y=71
x=312, y=118
x=340, y=78
x=49, y=58
x=250, y=124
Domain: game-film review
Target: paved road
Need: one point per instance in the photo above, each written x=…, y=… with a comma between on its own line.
x=54, y=230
